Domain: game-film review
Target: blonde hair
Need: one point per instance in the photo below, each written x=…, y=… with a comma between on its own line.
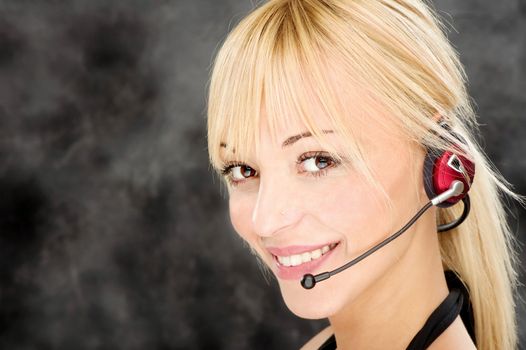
x=355, y=58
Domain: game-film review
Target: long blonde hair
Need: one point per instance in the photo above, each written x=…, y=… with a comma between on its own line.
x=355, y=58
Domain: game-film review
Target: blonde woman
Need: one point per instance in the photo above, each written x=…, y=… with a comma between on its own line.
x=321, y=114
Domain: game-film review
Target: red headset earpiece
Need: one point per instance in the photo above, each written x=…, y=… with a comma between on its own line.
x=441, y=168
x=447, y=173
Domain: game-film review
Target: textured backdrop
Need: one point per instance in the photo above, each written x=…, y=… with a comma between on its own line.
x=113, y=232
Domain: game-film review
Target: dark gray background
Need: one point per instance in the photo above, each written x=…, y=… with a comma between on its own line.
x=113, y=232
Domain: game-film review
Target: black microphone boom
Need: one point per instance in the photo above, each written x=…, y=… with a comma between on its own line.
x=309, y=281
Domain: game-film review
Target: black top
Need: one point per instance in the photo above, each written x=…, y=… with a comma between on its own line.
x=457, y=302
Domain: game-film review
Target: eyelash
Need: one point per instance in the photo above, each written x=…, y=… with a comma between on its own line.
x=227, y=170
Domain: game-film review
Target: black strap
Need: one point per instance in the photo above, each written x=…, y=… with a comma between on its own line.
x=440, y=319
x=454, y=282
x=329, y=344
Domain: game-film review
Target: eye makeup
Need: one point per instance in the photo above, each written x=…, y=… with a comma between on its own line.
x=315, y=163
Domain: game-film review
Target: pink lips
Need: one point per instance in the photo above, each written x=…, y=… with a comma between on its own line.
x=297, y=272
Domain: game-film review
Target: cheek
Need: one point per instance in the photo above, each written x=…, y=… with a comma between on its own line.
x=240, y=208
x=350, y=208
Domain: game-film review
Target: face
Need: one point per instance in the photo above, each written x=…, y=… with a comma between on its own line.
x=304, y=212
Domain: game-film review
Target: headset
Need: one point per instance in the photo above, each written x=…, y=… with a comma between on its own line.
x=448, y=177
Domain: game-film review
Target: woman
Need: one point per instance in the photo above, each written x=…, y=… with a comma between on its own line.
x=321, y=113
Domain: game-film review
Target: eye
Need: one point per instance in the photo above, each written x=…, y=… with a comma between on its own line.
x=311, y=163
x=316, y=162
x=241, y=172
x=237, y=172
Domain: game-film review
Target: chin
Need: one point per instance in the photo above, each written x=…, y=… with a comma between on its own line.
x=332, y=296
x=317, y=303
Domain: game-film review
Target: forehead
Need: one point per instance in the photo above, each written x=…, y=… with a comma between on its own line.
x=289, y=128
x=355, y=127
x=279, y=131
x=280, y=134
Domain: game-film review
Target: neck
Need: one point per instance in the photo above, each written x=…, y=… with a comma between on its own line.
x=397, y=305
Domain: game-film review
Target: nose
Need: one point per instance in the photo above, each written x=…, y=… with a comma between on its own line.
x=276, y=207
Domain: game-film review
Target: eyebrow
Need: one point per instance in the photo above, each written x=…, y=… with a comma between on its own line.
x=292, y=139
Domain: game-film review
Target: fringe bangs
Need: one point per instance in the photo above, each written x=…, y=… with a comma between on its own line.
x=281, y=73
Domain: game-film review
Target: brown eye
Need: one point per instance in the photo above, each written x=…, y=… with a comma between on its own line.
x=241, y=172
x=322, y=162
x=317, y=163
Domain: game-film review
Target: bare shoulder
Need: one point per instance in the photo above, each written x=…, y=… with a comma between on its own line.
x=318, y=339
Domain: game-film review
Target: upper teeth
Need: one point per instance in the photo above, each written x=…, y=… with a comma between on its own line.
x=297, y=259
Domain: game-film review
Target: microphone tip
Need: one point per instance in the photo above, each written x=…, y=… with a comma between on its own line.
x=308, y=281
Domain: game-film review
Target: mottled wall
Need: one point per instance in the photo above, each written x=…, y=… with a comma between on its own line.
x=113, y=232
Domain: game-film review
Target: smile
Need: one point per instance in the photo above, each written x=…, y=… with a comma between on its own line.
x=305, y=257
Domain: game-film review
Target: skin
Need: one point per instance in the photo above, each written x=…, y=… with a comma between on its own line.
x=384, y=299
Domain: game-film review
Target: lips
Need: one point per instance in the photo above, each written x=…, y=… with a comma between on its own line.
x=293, y=262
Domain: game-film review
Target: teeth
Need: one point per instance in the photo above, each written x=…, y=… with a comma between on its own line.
x=298, y=259
x=316, y=254
x=285, y=260
x=295, y=260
